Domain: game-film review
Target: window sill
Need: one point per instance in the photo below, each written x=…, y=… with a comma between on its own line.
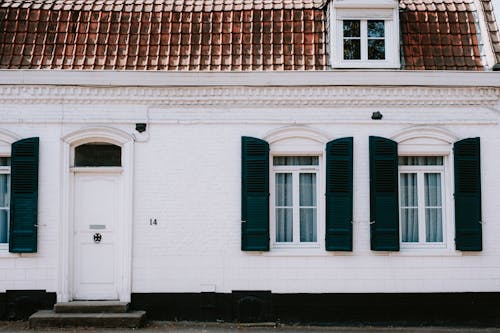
x=426, y=252
x=365, y=64
x=318, y=251
x=4, y=253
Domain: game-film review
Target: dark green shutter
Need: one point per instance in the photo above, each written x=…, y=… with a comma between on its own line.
x=384, y=210
x=468, y=233
x=24, y=196
x=339, y=195
x=254, y=195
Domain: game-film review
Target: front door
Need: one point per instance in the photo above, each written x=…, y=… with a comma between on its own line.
x=96, y=208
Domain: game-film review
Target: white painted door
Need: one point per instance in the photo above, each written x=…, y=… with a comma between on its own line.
x=96, y=224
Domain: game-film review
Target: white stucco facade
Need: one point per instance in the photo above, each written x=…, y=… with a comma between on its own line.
x=185, y=172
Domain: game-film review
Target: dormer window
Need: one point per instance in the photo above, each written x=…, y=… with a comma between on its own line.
x=365, y=34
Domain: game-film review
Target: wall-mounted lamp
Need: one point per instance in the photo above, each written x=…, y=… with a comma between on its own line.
x=377, y=115
x=140, y=127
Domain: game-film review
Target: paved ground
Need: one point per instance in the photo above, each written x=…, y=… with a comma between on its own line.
x=190, y=327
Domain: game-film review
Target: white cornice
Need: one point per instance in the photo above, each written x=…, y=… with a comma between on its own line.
x=241, y=97
x=296, y=78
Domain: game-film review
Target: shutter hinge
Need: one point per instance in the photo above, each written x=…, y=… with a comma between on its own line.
x=243, y=221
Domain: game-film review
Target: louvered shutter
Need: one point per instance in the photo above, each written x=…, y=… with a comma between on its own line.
x=24, y=196
x=384, y=210
x=339, y=195
x=468, y=231
x=254, y=195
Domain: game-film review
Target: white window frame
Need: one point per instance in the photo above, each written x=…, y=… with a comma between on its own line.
x=365, y=10
x=298, y=141
x=7, y=138
x=295, y=170
x=421, y=170
x=5, y=170
x=431, y=141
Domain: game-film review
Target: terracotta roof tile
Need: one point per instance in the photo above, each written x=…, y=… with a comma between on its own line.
x=442, y=32
x=492, y=27
x=220, y=35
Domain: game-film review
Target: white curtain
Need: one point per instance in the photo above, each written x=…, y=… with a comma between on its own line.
x=433, y=207
x=284, y=210
x=409, y=207
x=4, y=204
x=307, y=185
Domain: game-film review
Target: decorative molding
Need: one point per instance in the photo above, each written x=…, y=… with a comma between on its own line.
x=93, y=134
x=293, y=132
x=437, y=134
x=8, y=137
x=424, y=140
x=311, y=96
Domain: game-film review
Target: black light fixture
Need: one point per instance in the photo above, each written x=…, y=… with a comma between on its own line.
x=377, y=115
x=140, y=127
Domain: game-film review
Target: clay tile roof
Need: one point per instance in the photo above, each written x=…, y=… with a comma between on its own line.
x=492, y=27
x=219, y=35
x=440, y=34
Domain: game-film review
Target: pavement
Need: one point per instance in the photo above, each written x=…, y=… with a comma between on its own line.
x=196, y=327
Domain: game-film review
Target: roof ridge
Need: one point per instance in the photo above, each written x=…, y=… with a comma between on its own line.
x=165, y=5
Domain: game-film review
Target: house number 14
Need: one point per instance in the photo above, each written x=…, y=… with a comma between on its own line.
x=153, y=222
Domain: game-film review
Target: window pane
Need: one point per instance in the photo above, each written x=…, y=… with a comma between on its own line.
x=4, y=161
x=308, y=225
x=409, y=204
x=433, y=225
x=284, y=189
x=432, y=182
x=4, y=190
x=376, y=49
x=433, y=209
x=375, y=28
x=295, y=160
x=284, y=225
x=352, y=49
x=98, y=154
x=4, y=226
x=420, y=160
x=352, y=28
x=409, y=225
x=408, y=190
x=307, y=189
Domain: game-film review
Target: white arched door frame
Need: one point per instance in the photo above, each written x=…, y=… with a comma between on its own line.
x=69, y=142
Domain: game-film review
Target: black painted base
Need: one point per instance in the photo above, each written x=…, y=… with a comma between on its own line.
x=409, y=309
x=20, y=304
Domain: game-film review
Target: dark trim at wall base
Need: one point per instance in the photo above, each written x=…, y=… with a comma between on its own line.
x=410, y=309
x=20, y=304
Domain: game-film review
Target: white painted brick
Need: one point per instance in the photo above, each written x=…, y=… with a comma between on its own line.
x=187, y=176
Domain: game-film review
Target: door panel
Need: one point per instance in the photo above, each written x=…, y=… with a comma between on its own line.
x=96, y=212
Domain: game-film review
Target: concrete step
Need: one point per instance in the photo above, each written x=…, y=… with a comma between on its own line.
x=91, y=307
x=49, y=318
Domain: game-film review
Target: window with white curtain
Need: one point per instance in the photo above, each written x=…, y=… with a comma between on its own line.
x=421, y=201
x=4, y=200
x=294, y=200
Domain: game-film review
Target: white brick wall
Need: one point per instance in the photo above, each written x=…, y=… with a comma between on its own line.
x=187, y=176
